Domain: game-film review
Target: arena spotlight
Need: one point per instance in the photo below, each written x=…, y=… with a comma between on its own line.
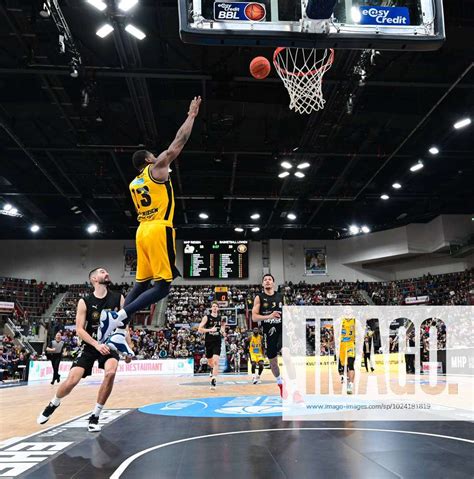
x=417, y=166
x=384, y=197
x=126, y=5
x=256, y=229
x=203, y=216
x=92, y=228
x=286, y=164
x=239, y=230
x=34, y=228
x=462, y=123
x=433, y=150
x=283, y=174
x=291, y=216
x=396, y=186
x=365, y=229
x=354, y=230
x=99, y=4
x=299, y=174
x=255, y=216
x=8, y=207
x=134, y=31
x=104, y=30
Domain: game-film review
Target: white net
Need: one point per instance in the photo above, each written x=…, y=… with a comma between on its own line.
x=302, y=70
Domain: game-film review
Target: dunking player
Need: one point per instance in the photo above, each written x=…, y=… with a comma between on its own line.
x=87, y=321
x=347, y=351
x=267, y=308
x=213, y=326
x=152, y=194
x=256, y=355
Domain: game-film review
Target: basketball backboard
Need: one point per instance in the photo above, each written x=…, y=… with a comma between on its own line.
x=364, y=24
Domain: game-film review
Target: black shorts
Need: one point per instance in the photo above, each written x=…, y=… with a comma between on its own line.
x=88, y=356
x=212, y=349
x=272, y=342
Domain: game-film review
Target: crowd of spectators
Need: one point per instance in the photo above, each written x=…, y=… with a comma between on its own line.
x=441, y=289
x=13, y=360
x=31, y=298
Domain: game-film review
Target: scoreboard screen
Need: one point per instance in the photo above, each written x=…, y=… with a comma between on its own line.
x=216, y=259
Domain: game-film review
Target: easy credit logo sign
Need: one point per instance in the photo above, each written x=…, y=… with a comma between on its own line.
x=239, y=11
x=241, y=406
x=386, y=16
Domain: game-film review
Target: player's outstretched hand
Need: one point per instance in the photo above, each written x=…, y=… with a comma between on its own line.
x=103, y=349
x=194, y=106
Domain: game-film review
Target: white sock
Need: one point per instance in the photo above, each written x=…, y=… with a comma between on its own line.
x=279, y=380
x=55, y=401
x=98, y=409
x=122, y=314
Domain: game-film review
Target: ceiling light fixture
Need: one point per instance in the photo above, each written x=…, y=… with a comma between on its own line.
x=104, y=30
x=134, y=31
x=433, y=150
x=304, y=165
x=365, y=229
x=92, y=228
x=396, y=186
x=299, y=174
x=462, y=123
x=291, y=216
x=286, y=164
x=283, y=174
x=417, y=166
x=255, y=216
x=99, y=4
x=239, y=230
x=354, y=230
x=256, y=229
x=34, y=228
x=126, y=5
x=203, y=216
x=384, y=197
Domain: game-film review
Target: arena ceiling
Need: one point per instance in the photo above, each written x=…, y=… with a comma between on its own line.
x=59, y=157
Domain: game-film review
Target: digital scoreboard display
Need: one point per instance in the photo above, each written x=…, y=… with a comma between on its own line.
x=216, y=259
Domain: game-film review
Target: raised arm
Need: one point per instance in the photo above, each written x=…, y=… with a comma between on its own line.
x=160, y=168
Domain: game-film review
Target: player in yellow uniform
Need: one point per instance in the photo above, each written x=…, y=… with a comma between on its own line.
x=152, y=194
x=347, y=350
x=256, y=355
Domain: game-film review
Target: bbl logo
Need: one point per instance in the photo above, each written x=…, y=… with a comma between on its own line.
x=239, y=11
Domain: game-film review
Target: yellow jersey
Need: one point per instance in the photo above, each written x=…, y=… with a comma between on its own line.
x=154, y=200
x=348, y=330
x=255, y=346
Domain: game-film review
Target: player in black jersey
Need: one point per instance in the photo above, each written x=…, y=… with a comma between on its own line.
x=213, y=326
x=87, y=320
x=267, y=308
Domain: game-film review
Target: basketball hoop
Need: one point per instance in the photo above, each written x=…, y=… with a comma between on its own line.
x=302, y=70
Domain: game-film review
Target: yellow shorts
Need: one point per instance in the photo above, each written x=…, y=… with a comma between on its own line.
x=347, y=350
x=156, y=252
x=255, y=358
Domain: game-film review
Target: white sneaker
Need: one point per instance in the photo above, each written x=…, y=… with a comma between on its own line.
x=117, y=342
x=349, y=388
x=94, y=425
x=108, y=322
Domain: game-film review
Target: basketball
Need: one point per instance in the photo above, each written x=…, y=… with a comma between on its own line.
x=260, y=68
x=255, y=12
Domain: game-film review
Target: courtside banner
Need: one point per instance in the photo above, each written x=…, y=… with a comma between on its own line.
x=373, y=15
x=42, y=370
